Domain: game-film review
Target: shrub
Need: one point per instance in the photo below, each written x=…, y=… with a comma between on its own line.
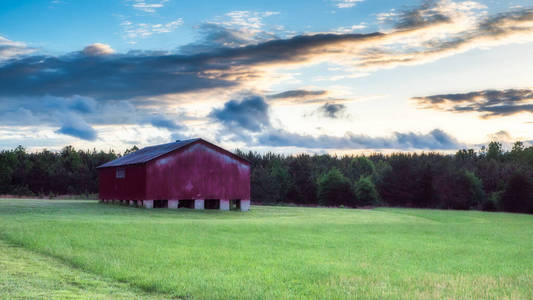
x=491, y=203
x=517, y=195
x=334, y=189
x=22, y=190
x=477, y=194
x=280, y=182
x=365, y=192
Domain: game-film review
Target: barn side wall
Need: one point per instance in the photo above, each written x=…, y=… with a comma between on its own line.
x=132, y=187
x=199, y=171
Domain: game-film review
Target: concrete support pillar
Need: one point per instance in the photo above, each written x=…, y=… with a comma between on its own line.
x=139, y=203
x=173, y=204
x=245, y=205
x=132, y=203
x=199, y=204
x=148, y=203
x=224, y=204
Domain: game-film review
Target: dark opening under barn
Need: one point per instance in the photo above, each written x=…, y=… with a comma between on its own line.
x=160, y=203
x=212, y=204
x=186, y=203
x=235, y=204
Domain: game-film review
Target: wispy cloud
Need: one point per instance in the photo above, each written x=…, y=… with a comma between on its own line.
x=434, y=140
x=442, y=28
x=148, y=6
x=134, y=31
x=305, y=97
x=489, y=103
x=298, y=94
x=351, y=29
x=234, y=29
x=346, y=3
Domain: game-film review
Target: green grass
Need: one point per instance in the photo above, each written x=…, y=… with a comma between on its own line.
x=273, y=252
x=28, y=275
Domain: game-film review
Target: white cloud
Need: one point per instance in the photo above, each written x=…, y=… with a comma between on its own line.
x=351, y=29
x=346, y=3
x=144, y=30
x=149, y=7
x=10, y=49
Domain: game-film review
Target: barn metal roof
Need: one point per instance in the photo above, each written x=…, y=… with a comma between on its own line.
x=146, y=154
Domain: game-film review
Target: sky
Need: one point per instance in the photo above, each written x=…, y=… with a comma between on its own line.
x=315, y=76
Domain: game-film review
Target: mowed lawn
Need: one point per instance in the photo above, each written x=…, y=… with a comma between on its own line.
x=268, y=252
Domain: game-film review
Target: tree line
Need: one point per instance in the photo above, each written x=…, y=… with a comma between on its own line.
x=488, y=179
x=50, y=173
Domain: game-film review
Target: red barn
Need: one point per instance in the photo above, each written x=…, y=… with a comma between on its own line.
x=191, y=173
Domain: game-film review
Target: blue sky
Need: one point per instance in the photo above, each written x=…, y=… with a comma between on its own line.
x=288, y=76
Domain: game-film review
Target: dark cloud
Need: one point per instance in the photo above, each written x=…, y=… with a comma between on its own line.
x=82, y=105
x=298, y=94
x=251, y=113
x=214, y=36
x=332, y=110
x=434, y=140
x=507, y=22
x=427, y=14
x=490, y=103
x=120, y=76
x=76, y=127
x=103, y=77
x=161, y=121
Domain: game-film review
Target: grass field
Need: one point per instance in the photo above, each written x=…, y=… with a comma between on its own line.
x=81, y=248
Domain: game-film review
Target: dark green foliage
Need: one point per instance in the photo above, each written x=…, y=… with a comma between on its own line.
x=518, y=196
x=304, y=184
x=491, y=203
x=477, y=194
x=360, y=166
x=495, y=151
x=280, y=182
x=335, y=189
x=365, y=192
x=48, y=173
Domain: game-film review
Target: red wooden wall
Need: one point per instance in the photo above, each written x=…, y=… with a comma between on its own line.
x=132, y=187
x=200, y=171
